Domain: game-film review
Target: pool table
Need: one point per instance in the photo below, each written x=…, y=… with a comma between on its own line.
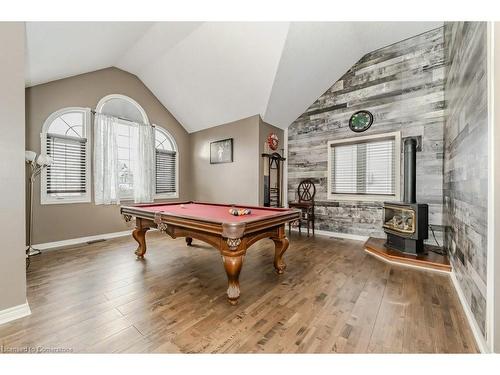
x=213, y=224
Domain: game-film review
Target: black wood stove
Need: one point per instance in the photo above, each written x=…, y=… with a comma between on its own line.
x=406, y=223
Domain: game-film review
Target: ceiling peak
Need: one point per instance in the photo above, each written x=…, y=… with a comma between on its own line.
x=210, y=73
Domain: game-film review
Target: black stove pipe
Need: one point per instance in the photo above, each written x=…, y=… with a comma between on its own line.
x=410, y=171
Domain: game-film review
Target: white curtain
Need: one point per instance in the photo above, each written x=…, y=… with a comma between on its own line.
x=106, y=168
x=143, y=168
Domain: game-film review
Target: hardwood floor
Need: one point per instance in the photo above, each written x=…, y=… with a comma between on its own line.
x=333, y=297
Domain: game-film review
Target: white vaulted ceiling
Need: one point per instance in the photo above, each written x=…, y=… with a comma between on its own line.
x=210, y=73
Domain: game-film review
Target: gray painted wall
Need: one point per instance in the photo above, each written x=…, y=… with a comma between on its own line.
x=12, y=166
x=57, y=222
x=403, y=86
x=466, y=160
x=235, y=182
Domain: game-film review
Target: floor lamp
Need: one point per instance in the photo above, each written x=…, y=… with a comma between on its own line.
x=36, y=163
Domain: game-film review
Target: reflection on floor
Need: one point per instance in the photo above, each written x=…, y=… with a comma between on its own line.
x=333, y=297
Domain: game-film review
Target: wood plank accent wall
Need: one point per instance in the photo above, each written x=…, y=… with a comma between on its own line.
x=466, y=160
x=403, y=86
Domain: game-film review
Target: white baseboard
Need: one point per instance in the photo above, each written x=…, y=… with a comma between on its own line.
x=81, y=240
x=13, y=313
x=346, y=236
x=476, y=331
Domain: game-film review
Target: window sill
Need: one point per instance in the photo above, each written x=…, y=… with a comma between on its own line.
x=49, y=201
x=156, y=197
x=362, y=198
x=166, y=196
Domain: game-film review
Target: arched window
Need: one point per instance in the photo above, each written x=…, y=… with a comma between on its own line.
x=160, y=169
x=125, y=111
x=166, y=164
x=65, y=138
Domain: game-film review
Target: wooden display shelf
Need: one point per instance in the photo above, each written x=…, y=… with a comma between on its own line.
x=428, y=260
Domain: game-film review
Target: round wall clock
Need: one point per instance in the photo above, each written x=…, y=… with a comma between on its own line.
x=273, y=141
x=360, y=121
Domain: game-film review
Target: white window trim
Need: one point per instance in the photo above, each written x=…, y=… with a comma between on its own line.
x=84, y=198
x=364, y=197
x=177, y=162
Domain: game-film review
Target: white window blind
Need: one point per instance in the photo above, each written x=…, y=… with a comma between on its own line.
x=165, y=171
x=65, y=137
x=366, y=167
x=67, y=174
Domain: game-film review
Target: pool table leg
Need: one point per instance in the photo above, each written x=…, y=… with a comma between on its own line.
x=280, y=246
x=232, y=265
x=139, y=235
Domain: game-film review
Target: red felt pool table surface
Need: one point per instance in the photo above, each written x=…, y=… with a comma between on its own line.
x=212, y=212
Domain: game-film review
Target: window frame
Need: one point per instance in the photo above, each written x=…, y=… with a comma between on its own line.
x=45, y=198
x=177, y=157
x=367, y=197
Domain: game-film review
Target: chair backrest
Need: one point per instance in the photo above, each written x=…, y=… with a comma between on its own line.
x=306, y=191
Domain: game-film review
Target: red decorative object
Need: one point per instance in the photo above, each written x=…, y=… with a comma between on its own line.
x=273, y=141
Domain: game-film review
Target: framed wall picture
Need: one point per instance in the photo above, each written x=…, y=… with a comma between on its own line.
x=221, y=151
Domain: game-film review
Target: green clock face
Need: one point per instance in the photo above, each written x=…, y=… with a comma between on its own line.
x=360, y=121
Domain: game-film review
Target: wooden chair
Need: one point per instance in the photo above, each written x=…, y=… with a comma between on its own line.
x=306, y=192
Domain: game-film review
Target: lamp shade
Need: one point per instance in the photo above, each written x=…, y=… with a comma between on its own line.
x=44, y=160
x=30, y=156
